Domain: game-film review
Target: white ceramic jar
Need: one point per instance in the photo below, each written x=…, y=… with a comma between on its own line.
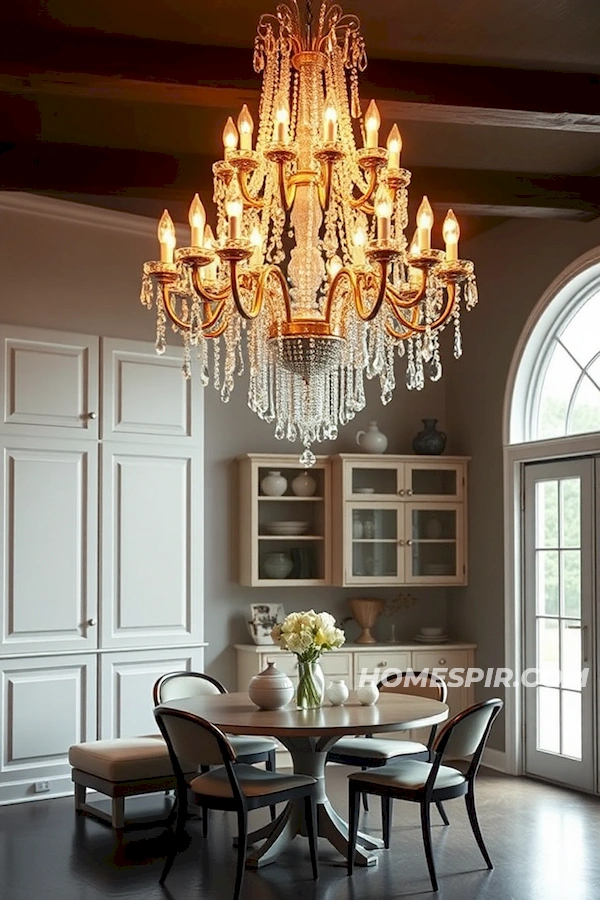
x=271, y=689
x=273, y=484
x=304, y=485
x=277, y=564
x=337, y=692
x=372, y=440
x=368, y=694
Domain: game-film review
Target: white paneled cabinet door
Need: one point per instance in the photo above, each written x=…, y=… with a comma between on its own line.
x=49, y=550
x=49, y=383
x=126, y=682
x=47, y=703
x=150, y=571
x=145, y=397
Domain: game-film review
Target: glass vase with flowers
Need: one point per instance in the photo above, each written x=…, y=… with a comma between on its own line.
x=308, y=635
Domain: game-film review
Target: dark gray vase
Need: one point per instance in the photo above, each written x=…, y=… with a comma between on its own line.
x=430, y=440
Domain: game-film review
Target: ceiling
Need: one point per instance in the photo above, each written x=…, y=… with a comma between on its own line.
x=123, y=104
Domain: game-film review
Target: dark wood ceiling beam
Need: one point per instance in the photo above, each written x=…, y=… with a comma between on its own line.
x=134, y=70
x=132, y=173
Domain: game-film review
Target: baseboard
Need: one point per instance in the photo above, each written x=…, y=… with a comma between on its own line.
x=494, y=759
x=22, y=791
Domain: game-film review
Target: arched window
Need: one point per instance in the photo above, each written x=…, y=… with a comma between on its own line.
x=557, y=387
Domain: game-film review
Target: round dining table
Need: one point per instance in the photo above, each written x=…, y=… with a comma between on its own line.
x=309, y=734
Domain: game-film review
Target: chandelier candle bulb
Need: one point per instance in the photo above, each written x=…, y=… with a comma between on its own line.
x=383, y=212
x=372, y=125
x=282, y=118
x=208, y=273
x=256, y=242
x=394, y=146
x=166, y=237
x=333, y=266
x=329, y=122
x=245, y=124
x=197, y=220
x=230, y=136
x=451, y=234
x=359, y=241
x=424, y=224
x=235, y=208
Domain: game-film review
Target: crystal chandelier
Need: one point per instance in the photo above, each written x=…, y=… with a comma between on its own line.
x=310, y=267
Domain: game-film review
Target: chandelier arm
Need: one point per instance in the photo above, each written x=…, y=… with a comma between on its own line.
x=287, y=192
x=432, y=326
x=362, y=201
x=207, y=296
x=179, y=322
x=395, y=296
x=367, y=315
x=265, y=274
x=249, y=200
x=325, y=183
x=235, y=291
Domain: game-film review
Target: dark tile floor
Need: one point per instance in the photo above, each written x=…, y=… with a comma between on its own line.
x=543, y=840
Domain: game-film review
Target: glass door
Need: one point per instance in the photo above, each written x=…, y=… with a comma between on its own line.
x=373, y=553
x=559, y=585
x=434, y=549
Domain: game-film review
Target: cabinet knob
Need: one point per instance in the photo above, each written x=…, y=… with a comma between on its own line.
x=401, y=542
x=91, y=622
x=409, y=543
x=92, y=415
x=402, y=492
x=409, y=493
x=442, y=662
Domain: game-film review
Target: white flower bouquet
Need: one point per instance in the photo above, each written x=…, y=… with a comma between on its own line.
x=308, y=635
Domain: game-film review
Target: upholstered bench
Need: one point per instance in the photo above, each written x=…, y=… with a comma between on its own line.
x=119, y=768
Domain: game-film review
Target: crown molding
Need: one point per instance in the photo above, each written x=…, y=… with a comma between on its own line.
x=76, y=213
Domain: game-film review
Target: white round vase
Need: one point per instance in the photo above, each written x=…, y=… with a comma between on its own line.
x=271, y=689
x=337, y=692
x=274, y=484
x=277, y=564
x=372, y=440
x=304, y=485
x=368, y=694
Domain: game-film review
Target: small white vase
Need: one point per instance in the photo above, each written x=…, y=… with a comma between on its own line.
x=304, y=485
x=274, y=484
x=337, y=692
x=271, y=689
x=277, y=564
x=372, y=440
x=368, y=694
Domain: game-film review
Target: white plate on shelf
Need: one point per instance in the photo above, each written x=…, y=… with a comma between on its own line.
x=432, y=639
x=285, y=529
x=364, y=490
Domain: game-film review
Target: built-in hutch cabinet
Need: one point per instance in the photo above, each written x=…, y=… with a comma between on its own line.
x=101, y=590
x=373, y=520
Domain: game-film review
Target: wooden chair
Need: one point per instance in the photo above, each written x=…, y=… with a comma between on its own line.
x=428, y=782
x=193, y=742
x=248, y=749
x=369, y=752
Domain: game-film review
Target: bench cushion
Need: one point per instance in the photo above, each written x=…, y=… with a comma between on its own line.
x=122, y=759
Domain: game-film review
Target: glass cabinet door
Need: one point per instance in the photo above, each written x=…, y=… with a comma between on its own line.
x=434, y=544
x=368, y=479
x=372, y=544
x=438, y=481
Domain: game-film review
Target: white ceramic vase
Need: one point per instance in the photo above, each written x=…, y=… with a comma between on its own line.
x=277, y=564
x=372, y=440
x=368, y=694
x=274, y=484
x=304, y=485
x=271, y=689
x=337, y=692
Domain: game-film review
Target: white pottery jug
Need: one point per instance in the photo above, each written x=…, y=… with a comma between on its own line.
x=337, y=692
x=271, y=689
x=372, y=440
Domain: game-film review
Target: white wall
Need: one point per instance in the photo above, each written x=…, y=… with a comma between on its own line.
x=76, y=268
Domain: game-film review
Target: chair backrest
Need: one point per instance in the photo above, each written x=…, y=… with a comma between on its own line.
x=421, y=684
x=192, y=741
x=177, y=685
x=466, y=734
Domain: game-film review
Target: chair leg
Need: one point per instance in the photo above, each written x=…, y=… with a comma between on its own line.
x=242, y=848
x=118, y=812
x=176, y=831
x=354, y=804
x=204, y=810
x=386, y=820
x=470, y=801
x=442, y=812
x=365, y=798
x=270, y=766
x=310, y=814
x=426, y=828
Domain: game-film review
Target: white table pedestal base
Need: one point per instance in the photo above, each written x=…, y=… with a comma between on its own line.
x=308, y=756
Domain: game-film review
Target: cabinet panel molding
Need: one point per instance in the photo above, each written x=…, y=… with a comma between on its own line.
x=49, y=382
x=146, y=396
x=49, y=550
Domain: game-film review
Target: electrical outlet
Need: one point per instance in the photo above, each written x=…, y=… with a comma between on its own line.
x=41, y=786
